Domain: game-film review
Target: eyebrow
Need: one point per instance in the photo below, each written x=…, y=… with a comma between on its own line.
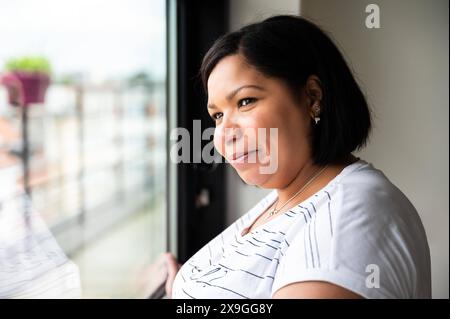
x=236, y=91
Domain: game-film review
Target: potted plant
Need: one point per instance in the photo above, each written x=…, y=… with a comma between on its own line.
x=26, y=79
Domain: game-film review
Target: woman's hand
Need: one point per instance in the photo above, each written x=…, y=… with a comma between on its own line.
x=172, y=267
x=160, y=274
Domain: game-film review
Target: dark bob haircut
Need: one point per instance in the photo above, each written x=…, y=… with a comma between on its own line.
x=291, y=49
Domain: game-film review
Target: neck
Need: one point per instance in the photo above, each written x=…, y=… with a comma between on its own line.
x=300, y=179
x=305, y=173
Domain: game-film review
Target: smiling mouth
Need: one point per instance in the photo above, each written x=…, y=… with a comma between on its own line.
x=241, y=157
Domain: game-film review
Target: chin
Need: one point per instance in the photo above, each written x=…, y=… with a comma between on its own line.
x=253, y=177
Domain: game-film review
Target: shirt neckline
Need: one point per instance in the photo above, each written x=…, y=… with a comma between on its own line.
x=272, y=196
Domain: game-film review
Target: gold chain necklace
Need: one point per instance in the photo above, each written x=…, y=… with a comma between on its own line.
x=275, y=210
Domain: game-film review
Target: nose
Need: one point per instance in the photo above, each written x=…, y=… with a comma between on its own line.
x=232, y=135
x=231, y=131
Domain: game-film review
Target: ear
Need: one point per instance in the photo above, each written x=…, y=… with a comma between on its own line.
x=313, y=90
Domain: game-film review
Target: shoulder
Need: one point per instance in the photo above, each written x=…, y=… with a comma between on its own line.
x=367, y=206
x=376, y=224
x=364, y=226
x=366, y=193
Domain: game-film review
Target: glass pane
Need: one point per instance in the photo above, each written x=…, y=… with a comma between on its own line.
x=96, y=161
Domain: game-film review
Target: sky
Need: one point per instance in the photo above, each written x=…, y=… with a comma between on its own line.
x=101, y=39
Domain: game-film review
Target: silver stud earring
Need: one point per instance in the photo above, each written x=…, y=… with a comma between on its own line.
x=316, y=109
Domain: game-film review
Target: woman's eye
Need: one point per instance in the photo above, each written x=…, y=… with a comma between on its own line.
x=246, y=101
x=216, y=116
x=241, y=102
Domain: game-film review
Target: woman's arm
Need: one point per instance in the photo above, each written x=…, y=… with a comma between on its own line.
x=314, y=290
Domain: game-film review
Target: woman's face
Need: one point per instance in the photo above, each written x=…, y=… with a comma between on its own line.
x=242, y=100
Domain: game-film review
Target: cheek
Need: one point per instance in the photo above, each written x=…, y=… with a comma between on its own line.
x=270, y=128
x=257, y=120
x=293, y=143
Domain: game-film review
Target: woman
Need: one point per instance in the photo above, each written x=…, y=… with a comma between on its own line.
x=333, y=226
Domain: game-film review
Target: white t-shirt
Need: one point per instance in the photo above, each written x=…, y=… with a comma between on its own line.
x=359, y=232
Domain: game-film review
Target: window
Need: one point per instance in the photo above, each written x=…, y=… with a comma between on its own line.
x=97, y=145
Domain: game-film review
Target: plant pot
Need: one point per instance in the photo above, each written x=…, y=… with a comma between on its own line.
x=25, y=88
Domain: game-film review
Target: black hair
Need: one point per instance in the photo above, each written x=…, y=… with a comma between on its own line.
x=291, y=49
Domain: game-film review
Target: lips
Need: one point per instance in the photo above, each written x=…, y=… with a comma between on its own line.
x=240, y=157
